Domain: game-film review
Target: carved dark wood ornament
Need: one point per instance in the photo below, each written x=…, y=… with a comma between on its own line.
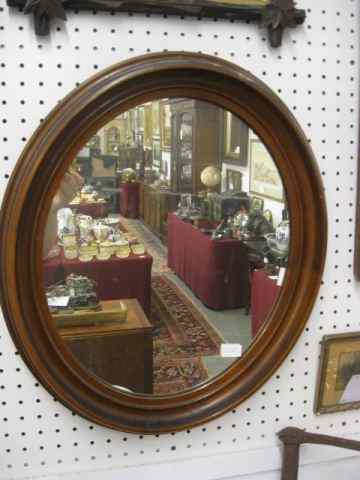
x=44, y=11
x=275, y=15
x=278, y=15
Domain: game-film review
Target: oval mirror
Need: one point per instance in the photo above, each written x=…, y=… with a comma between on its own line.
x=176, y=242
x=165, y=246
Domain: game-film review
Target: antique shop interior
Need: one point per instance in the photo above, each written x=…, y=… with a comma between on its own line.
x=174, y=212
x=180, y=287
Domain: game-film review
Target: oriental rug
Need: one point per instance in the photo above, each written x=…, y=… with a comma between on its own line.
x=182, y=335
x=152, y=244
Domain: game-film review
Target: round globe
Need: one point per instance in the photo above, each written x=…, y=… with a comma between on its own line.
x=210, y=176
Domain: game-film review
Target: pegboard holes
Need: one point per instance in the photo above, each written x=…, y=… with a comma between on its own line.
x=253, y=54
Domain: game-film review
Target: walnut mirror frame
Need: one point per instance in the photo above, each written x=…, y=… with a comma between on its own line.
x=37, y=176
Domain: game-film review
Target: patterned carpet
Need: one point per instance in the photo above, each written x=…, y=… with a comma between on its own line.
x=182, y=336
x=182, y=333
x=153, y=245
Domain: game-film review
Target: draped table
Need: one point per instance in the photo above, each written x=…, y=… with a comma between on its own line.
x=95, y=209
x=217, y=271
x=117, y=278
x=264, y=291
x=129, y=199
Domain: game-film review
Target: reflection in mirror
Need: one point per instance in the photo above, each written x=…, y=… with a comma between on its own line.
x=165, y=246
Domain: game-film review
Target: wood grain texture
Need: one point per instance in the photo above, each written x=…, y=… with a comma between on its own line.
x=37, y=177
x=119, y=353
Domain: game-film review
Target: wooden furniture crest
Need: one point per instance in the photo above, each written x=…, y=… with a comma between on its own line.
x=275, y=15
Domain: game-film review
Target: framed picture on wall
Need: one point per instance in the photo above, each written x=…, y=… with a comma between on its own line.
x=131, y=127
x=155, y=117
x=165, y=126
x=233, y=180
x=264, y=176
x=338, y=387
x=156, y=152
x=236, y=140
x=148, y=130
x=140, y=117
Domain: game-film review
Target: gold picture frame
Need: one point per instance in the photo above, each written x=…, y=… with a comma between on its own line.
x=155, y=118
x=338, y=386
x=165, y=126
x=148, y=128
x=236, y=140
x=140, y=117
x=265, y=179
x=131, y=127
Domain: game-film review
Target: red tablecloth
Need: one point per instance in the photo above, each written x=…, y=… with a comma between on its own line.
x=129, y=199
x=116, y=278
x=264, y=292
x=217, y=271
x=95, y=210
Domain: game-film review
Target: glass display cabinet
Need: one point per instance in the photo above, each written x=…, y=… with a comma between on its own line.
x=195, y=142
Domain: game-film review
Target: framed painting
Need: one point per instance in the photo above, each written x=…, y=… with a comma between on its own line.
x=338, y=386
x=265, y=179
x=236, y=140
x=165, y=126
x=140, y=117
x=233, y=180
x=148, y=128
x=155, y=117
x=131, y=127
x=156, y=153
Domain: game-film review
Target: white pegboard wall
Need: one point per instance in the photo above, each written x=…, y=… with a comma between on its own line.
x=316, y=74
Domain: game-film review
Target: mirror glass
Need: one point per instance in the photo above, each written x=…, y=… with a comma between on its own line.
x=165, y=246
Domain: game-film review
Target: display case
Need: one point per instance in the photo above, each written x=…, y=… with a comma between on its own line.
x=195, y=142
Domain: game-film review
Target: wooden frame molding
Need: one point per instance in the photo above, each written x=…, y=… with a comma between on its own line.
x=274, y=15
x=36, y=178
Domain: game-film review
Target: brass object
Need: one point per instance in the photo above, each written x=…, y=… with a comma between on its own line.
x=138, y=248
x=69, y=240
x=97, y=316
x=71, y=252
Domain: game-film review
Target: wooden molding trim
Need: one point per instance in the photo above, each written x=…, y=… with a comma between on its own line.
x=37, y=176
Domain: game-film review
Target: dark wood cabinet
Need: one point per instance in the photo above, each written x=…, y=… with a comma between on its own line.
x=195, y=142
x=120, y=353
x=154, y=206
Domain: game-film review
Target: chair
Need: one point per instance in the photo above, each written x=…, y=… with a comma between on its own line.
x=292, y=438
